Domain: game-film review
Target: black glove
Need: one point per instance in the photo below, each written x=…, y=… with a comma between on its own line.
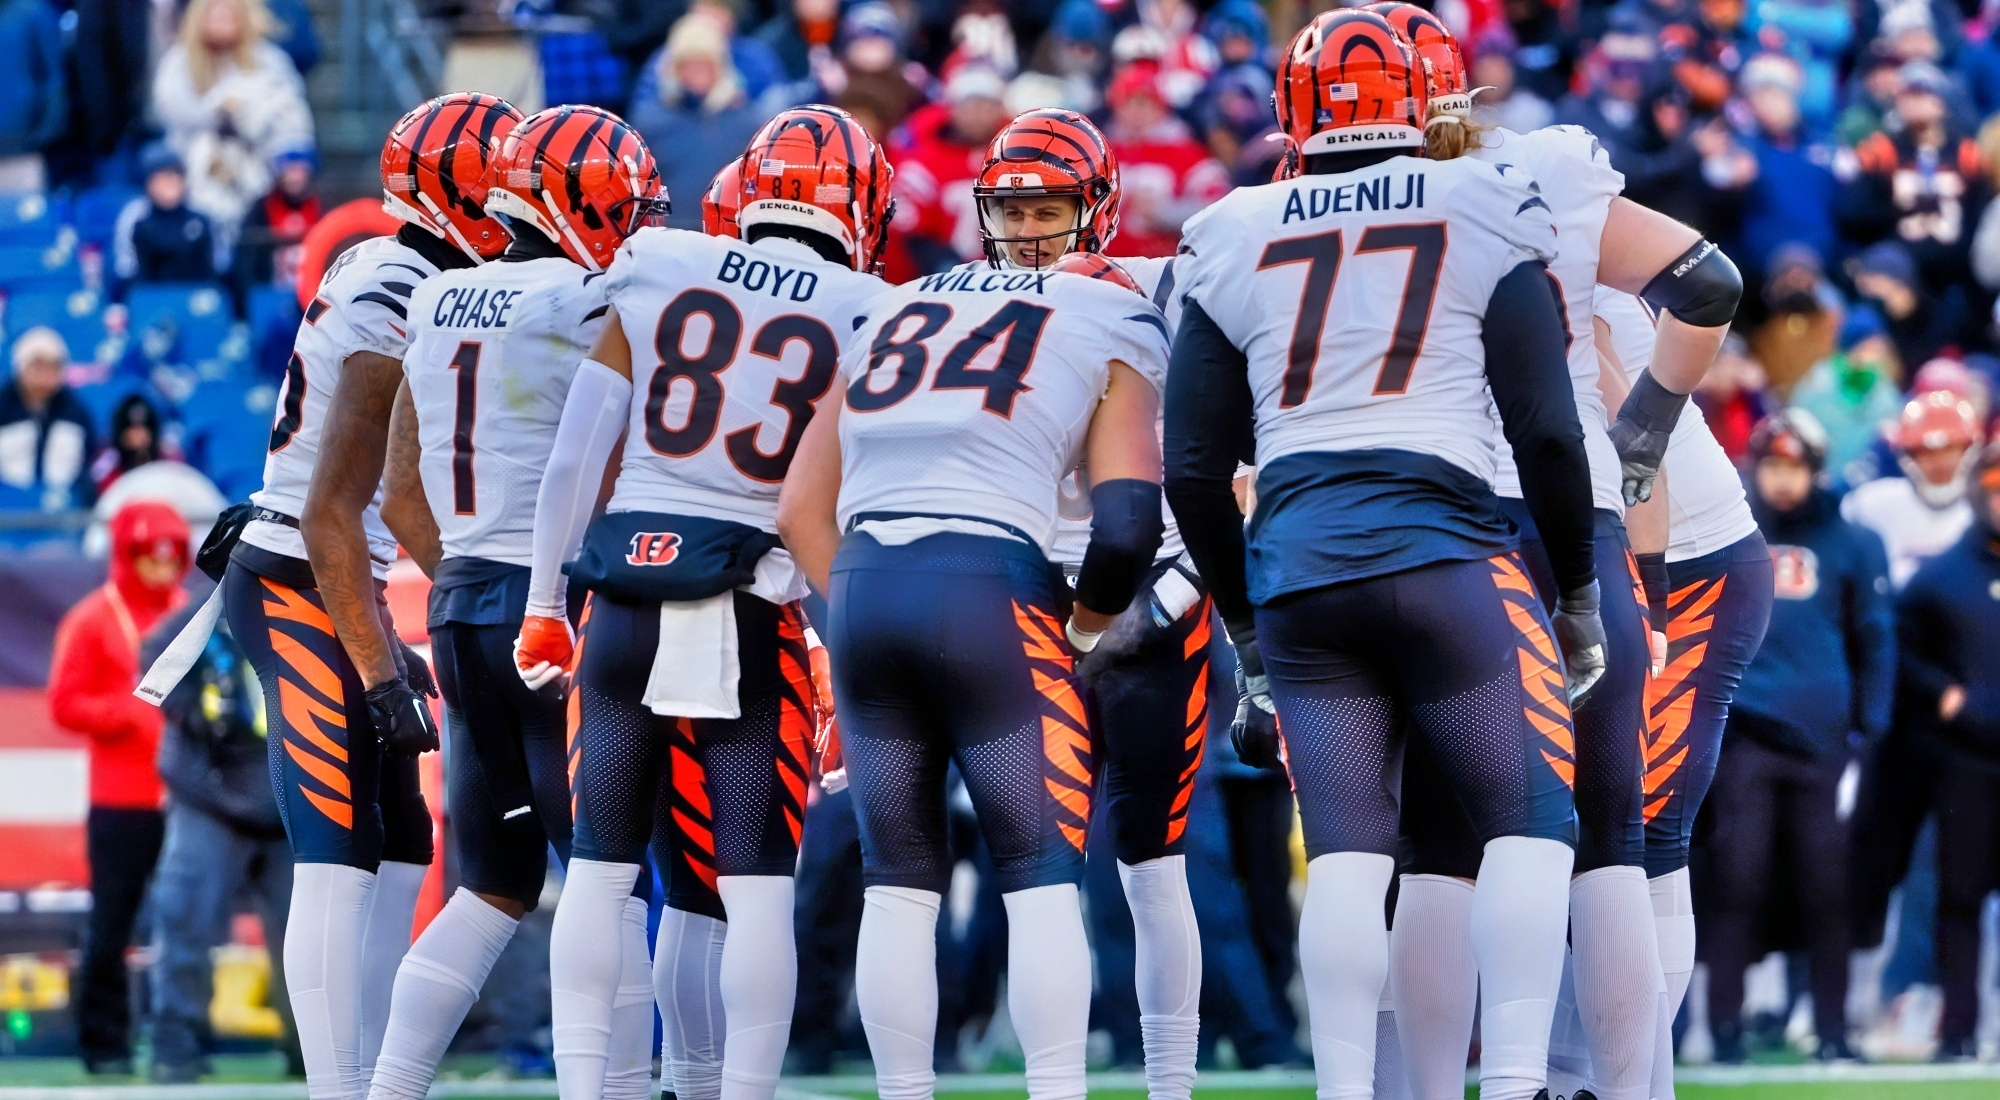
x=1645, y=423
x=417, y=671
x=402, y=719
x=1254, y=732
x=1580, y=635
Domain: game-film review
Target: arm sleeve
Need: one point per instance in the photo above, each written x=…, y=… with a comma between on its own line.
x=1208, y=421
x=1871, y=636
x=592, y=418
x=1529, y=374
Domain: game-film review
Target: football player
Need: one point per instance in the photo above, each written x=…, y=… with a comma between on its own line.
x=1615, y=969
x=1357, y=316
x=492, y=350
x=692, y=676
x=1050, y=189
x=923, y=506
x=1710, y=594
x=344, y=699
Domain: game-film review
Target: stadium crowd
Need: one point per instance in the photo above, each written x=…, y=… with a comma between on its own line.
x=157, y=178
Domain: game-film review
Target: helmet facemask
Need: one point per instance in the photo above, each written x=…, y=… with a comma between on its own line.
x=1032, y=228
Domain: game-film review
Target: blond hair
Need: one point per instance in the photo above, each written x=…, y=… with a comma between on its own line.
x=203, y=62
x=1449, y=135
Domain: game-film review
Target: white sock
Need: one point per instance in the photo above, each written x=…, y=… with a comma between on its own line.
x=1435, y=983
x=1617, y=958
x=392, y=913
x=585, y=973
x=322, y=945
x=1569, y=1050
x=687, y=983
x=1344, y=958
x=1048, y=987
x=1518, y=919
x=1673, y=921
x=760, y=979
x=628, y=1069
x=435, y=987
x=895, y=983
x=1390, y=1083
x=1168, y=974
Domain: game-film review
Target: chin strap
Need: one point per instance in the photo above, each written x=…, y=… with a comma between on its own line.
x=582, y=254
x=449, y=229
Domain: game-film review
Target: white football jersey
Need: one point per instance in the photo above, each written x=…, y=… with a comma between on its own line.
x=492, y=352
x=1578, y=182
x=362, y=305
x=733, y=345
x=1912, y=532
x=1155, y=276
x=970, y=393
x=1706, y=508
x=1359, y=301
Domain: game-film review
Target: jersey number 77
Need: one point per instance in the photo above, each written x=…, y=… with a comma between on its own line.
x=1321, y=252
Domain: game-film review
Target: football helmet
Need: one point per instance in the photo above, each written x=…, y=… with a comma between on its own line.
x=582, y=177
x=1092, y=265
x=1049, y=152
x=815, y=167
x=1348, y=81
x=434, y=167
x=1437, y=48
x=722, y=200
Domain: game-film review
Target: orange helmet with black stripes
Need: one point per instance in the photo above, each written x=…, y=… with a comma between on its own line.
x=434, y=169
x=1348, y=81
x=1042, y=153
x=722, y=200
x=815, y=167
x=1092, y=265
x=1436, y=47
x=582, y=177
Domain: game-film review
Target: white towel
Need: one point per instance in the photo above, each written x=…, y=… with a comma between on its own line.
x=697, y=665
x=181, y=654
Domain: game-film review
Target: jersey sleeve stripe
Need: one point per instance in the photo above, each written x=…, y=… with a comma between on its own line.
x=383, y=300
x=400, y=290
x=596, y=313
x=1163, y=293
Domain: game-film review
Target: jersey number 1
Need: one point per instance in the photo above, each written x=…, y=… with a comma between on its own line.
x=466, y=362
x=1321, y=253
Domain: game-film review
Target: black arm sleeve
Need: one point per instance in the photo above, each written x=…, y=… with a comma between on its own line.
x=1529, y=373
x=1209, y=426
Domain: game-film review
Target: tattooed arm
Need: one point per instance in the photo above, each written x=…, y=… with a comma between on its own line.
x=344, y=481
x=405, y=509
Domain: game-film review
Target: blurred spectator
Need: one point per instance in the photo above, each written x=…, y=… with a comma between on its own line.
x=1918, y=180
x=942, y=151
x=1507, y=104
x=698, y=117
x=35, y=111
x=757, y=68
x=1816, y=34
x=1855, y=391
x=1075, y=50
x=135, y=441
x=1804, y=316
x=1544, y=49
x=223, y=833
x=274, y=229
x=1705, y=48
x=1647, y=133
x=1818, y=686
x=1734, y=398
x=110, y=62
x=635, y=29
x=158, y=239
x=292, y=29
x=1932, y=30
x=230, y=102
x=805, y=29
x=1920, y=322
x=1165, y=35
x=46, y=437
x=91, y=677
x=877, y=86
x=1986, y=240
x=1979, y=62
x=983, y=35
x=1241, y=33
x=1235, y=107
x=1789, y=196
x=1878, y=77
x=1164, y=173
x=1921, y=512
x=1948, y=629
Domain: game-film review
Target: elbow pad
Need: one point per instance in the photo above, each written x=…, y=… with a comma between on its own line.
x=1701, y=287
x=1125, y=530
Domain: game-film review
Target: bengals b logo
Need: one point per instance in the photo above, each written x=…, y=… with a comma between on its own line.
x=1794, y=572
x=654, y=548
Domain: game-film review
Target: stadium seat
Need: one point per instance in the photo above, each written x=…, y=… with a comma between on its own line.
x=33, y=220
x=33, y=267
x=95, y=212
x=78, y=315
x=102, y=398
x=198, y=314
x=274, y=325
x=226, y=430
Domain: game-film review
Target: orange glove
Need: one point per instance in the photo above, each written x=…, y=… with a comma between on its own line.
x=826, y=733
x=543, y=649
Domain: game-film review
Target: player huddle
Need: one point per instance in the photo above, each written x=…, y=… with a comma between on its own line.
x=1470, y=612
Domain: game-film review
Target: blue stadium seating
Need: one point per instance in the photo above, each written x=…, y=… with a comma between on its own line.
x=78, y=315
x=36, y=220
x=274, y=325
x=34, y=267
x=226, y=432
x=103, y=397
x=198, y=313
x=96, y=211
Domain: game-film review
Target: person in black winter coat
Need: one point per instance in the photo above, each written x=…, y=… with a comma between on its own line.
x=158, y=239
x=1948, y=632
x=223, y=832
x=1818, y=689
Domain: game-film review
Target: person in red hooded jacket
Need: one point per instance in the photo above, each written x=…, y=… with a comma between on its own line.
x=91, y=677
